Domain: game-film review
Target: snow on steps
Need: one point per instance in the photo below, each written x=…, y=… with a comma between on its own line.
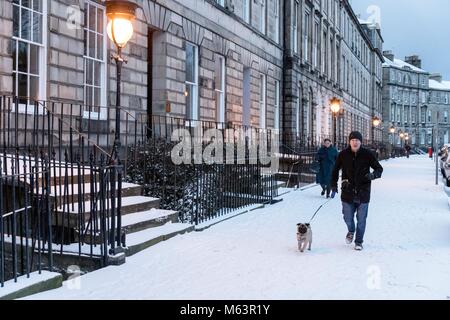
x=280, y=184
x=37, y=282
x=138, y=221
x=68, y=214
x=141, y=240
x=70, y=194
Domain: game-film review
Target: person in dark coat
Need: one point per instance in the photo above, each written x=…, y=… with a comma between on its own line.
x=326, y=156
x=355, y=163
x=408, y=150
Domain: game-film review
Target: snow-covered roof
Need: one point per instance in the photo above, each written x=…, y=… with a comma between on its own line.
x=361, y=21
x=400, y=64
x=444, y=85
x=369, y=23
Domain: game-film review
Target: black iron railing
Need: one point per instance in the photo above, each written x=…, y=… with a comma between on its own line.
x=59, y=188
x=198, y=190
x=69, y=199
x=25, y=235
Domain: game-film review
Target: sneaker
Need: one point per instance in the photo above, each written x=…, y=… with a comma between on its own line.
x=323, y=192
x=358, y=247
x=349, y=238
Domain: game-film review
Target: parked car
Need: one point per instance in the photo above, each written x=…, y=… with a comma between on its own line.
x=445, y=162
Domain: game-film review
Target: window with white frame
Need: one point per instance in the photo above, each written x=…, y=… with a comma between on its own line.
x=94, y=60
x=413, y=115
x=246, y=95
x=29, y=51
x=348, y=74
x=263, y=17
x=276, y=13
x=220, y=88
x=306, y=35
x=277, y=105
x=316, y=44
x=324, y=60
x=445, y=116
x=422, y=137
x=191, y=92
x=295, y=26
x=262, y=100
x=297, y=116
x=392, y=112
x=429, y=116
x=332, y=57
x=246, y=11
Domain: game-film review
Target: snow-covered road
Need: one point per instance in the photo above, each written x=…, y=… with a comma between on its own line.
x=254, y=256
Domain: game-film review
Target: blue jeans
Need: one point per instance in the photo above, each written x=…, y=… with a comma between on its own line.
x=361, y=209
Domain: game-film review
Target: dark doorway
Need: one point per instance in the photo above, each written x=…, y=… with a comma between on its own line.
x=150, y=79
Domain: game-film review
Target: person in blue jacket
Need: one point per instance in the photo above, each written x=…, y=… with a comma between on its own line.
x=326, y=156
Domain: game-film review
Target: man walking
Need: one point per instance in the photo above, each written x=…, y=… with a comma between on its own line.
x=326, y=156
x=355, y=162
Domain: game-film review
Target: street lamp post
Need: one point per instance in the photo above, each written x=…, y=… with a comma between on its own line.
x=402, y=136
x=335, y=106
x=392, y=131
x=120, y=31
x=376, y=122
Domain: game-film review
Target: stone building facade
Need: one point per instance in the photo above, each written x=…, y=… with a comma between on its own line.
x=414, y=101
x=331, y=53
x=262, y=63
x=202, y=60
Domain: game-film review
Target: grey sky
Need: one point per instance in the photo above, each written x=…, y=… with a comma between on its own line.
x=414, y=27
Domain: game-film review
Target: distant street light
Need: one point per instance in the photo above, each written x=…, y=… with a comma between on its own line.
x=376, y=122
x=402, y=136
x=335, y=106
x=392, y=131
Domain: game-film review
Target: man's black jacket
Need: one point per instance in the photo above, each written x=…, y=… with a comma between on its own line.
x=355, y=169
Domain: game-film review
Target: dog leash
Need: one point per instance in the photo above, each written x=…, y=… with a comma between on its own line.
x=319, y=209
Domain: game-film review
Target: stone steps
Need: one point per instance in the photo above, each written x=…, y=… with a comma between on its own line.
x=69, y=194
x=141, y=240
x=142, y=221
x=68, y=215
x=135, y=222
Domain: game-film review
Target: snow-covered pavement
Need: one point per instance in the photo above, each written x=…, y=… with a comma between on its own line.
x=254, y=256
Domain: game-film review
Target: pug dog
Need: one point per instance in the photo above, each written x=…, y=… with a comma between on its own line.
x=304, y=236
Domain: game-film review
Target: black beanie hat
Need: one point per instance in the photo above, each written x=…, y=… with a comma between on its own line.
x=355, y=135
